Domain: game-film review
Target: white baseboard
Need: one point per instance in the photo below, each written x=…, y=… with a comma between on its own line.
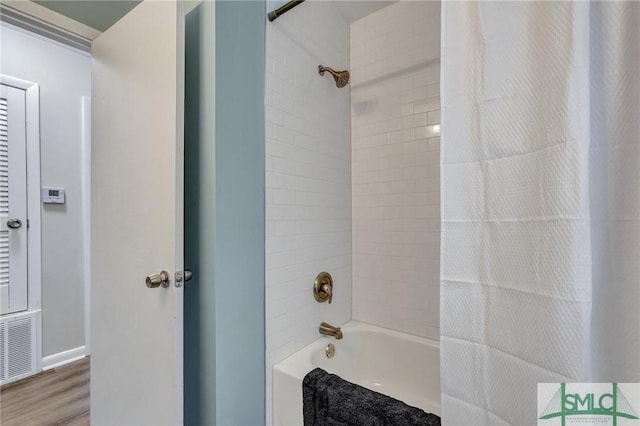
x=61, y=358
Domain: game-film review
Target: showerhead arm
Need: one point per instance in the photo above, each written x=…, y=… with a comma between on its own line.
x=322, y=69
x=341, y=77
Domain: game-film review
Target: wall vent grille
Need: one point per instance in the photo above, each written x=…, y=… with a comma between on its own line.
x=17, y=347
x=3, y=353
x=20, y=347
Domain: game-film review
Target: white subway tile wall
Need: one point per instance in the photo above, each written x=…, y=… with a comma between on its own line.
x=308, y=178
x=395, y=129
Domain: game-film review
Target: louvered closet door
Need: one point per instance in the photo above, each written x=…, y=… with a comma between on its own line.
x=13, y=201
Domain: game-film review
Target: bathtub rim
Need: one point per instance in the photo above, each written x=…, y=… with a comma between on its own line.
x=289, y=363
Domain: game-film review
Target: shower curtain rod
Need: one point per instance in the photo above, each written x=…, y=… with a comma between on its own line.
x=283, y=9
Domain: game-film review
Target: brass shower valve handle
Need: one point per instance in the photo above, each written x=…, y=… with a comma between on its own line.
x=323, y=287
x=324, y=292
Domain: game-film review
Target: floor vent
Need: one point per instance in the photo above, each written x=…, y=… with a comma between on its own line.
x=17, y=346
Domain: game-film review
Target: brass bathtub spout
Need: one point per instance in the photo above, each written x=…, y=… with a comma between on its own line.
x=329, y=330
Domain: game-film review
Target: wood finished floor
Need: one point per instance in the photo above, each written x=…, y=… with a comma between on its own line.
x=59, y=396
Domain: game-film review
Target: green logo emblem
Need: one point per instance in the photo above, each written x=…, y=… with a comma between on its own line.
x=612, y=404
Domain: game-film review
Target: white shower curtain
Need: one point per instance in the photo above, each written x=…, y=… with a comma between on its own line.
x=540, y=266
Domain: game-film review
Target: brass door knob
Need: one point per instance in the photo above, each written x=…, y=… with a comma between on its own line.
x=157, y=280
x=323, y=287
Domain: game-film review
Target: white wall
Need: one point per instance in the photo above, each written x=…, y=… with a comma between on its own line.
x=308, y=178
x=64, y=76
x=395, y=104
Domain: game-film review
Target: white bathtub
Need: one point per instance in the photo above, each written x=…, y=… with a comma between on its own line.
x=403, y=366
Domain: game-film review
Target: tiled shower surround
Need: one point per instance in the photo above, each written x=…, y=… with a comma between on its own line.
x=352, y=174
x=308, y=181
x=395, y=129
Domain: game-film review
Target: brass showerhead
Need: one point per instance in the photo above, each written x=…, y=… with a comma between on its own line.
x=341, y=77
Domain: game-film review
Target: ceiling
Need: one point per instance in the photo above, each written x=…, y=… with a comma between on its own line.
x=354, y=10
x=97, y=14
x=101, y=14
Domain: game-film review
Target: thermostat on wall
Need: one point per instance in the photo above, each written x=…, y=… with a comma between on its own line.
x=53, y=196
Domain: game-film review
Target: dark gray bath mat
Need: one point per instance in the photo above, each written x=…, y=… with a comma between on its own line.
x=329, y=400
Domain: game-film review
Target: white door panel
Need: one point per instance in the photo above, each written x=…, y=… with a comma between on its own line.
x=13, y=201
x=136, y=223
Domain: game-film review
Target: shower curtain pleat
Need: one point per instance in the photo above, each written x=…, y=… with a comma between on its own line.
x=540, y=172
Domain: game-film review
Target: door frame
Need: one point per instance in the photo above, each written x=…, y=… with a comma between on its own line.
x=86, y=218
x=34, y=224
